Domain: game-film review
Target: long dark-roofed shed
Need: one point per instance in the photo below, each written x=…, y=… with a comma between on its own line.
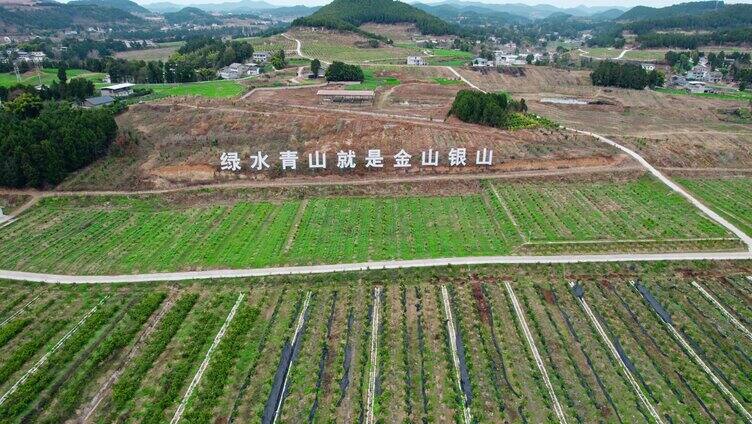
x=346, y=96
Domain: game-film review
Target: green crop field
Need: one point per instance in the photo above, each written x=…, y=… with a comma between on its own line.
x=371, y=82
x=646, y=55
x=102, y=234
x=734, y=95
x=565, y=217
x=498, y=344
x=218, y=88
x=732, y=198
x=47, y=76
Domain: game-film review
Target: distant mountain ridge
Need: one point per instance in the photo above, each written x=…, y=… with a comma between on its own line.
x=226, y=7
x=539, y=11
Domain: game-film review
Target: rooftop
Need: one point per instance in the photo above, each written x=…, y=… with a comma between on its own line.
x=119, y=86
x=350, y=93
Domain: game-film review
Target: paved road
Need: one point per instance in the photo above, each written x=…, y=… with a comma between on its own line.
x=365, y=266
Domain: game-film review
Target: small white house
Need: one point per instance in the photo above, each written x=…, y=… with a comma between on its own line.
x=261, y=57
x=507, y=59
x=416, y=61
x=118, y=90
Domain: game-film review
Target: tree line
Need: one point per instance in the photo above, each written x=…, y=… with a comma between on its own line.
x=492, y=109
x=625, y=75
x=43, y=142
x=339, y=71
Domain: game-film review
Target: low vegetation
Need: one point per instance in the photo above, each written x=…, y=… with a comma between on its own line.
x=93, y=235
x=416, y=379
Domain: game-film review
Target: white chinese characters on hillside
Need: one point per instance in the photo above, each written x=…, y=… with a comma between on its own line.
x=373, y=159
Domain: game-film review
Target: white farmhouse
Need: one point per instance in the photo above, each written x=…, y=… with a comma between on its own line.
x=416, y=61
x=118, y=90
x=261, y=57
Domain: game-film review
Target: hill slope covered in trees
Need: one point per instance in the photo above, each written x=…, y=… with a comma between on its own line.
x=125, y=5
x=682, y=9
x=349, y=14
x=53, y=16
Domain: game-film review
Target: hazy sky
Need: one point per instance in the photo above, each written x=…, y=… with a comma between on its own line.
x=560, y=3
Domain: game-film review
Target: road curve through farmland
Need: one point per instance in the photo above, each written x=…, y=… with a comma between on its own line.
x=369, y=266
x=747, y=240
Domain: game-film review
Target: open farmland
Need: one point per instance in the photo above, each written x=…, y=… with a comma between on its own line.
x=271, y=44
x=162, y=53
x=492, y=345
x=257, y=228
x=349, y=47
x=731, y=197
x=210, y=89
x=47, y=76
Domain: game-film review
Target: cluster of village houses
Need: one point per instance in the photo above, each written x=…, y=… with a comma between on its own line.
x=696, y=80
x=248, y=69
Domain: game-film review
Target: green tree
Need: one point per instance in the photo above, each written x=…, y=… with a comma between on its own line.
x=24, y=106
x=79, y=89
x=339, y=71
x=315, y=67
x=62, y=75
x=278, y=60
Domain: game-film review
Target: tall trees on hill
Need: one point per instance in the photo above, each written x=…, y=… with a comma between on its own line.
x=492, y=109
x=625, y=75
x=44, y=142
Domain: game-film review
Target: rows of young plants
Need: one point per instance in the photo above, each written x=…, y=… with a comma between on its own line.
x=123, y=235
x=675, y=383
x=43, y=375
x=637, y=210
x=417, y=379
x=731, y=197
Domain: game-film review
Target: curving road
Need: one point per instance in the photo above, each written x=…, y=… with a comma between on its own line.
x=366, y=266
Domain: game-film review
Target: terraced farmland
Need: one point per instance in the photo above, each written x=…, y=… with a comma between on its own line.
x=477, y=348
x=113, y=234
x=730, y=197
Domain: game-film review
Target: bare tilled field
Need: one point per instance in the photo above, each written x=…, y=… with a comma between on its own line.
x=492, y=345
x=181, y=140
x=668, y=130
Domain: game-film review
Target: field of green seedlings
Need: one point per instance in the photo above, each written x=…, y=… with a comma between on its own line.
x=137, y=234
x=47, y=76
x=565, y=217
x=216, y=88
x=483, y=347
x=731, y=198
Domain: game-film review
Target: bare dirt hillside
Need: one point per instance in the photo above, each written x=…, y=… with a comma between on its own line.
x=668, y=130
x=180, y=140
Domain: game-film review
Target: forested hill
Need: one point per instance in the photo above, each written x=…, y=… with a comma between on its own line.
x=125, y=5
x=683, y=9
x=731, y=16
x=349, y=14
x=54, y=16
x=192, y=15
